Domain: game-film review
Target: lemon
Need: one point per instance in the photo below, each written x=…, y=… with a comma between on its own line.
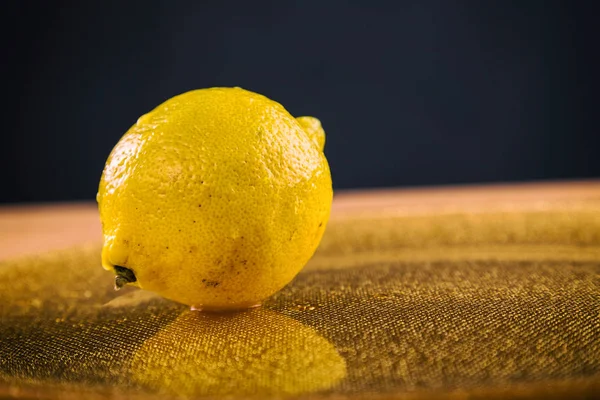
x=216, y=199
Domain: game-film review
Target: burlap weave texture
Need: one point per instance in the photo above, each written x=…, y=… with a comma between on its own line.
x=447, y=304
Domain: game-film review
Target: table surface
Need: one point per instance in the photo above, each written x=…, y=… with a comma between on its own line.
x=487, y=291
x=27, y=229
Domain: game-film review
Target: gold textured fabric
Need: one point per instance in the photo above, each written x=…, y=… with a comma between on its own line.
x=449, y=303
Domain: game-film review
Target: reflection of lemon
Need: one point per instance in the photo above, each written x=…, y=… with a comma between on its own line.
x=256, y=352
x=216, y=199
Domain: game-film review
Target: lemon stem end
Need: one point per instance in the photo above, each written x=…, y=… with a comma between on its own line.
x=123, y=276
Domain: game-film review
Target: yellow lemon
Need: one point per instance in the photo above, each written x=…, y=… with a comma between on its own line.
x=216, y=199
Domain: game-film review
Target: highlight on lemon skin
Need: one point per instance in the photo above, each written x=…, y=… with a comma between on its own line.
x=217, y=198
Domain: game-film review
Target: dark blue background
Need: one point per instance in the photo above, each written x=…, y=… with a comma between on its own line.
x=409, y=92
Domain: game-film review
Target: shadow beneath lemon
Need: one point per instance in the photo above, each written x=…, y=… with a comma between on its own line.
x=74, y=330
x=255, y=352
x=138, y=341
